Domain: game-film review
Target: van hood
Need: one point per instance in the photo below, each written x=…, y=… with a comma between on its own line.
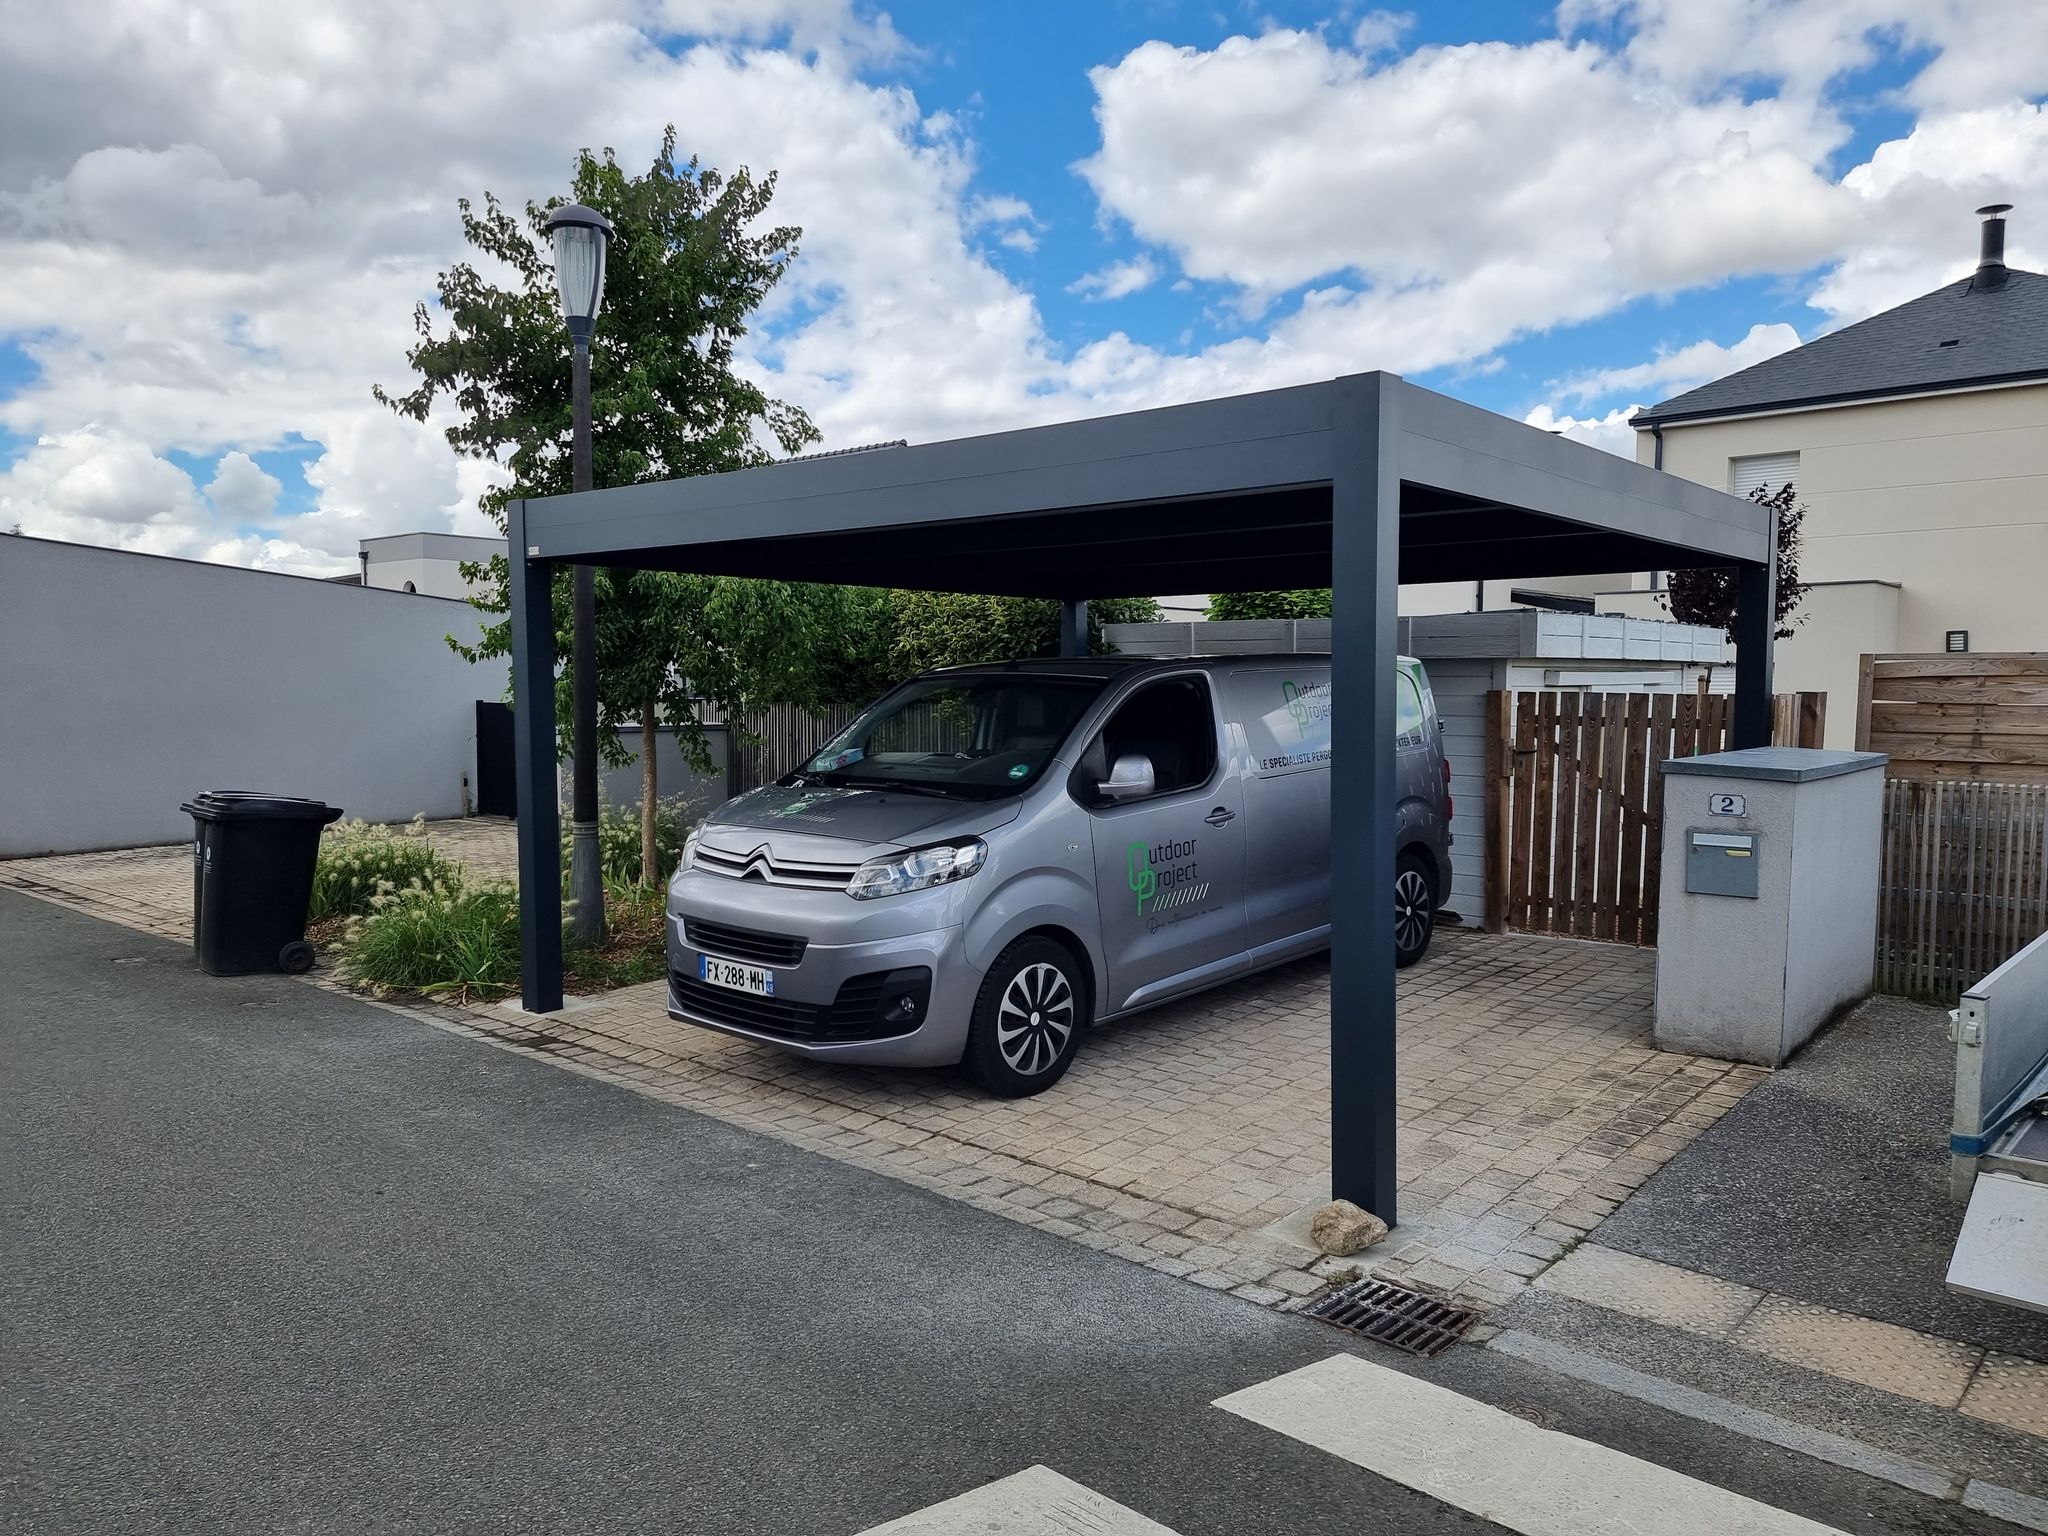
x=868, y=816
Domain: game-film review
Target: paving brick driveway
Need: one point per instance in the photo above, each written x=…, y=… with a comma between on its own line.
x=1531, y=1099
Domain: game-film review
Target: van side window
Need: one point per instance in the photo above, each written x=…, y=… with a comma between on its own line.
x=1408, y=717
x=1171, y=723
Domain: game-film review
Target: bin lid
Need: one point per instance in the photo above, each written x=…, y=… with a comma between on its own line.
x=251, y=805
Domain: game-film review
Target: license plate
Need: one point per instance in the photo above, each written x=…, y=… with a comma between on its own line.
x=735, y=977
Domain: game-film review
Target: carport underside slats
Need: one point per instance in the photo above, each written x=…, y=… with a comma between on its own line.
x=1358, y=484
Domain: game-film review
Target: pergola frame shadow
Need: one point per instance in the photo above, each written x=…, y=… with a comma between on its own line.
x=1357, y=483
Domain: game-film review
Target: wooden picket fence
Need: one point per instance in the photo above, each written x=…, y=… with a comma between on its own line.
x=1964, y=883
x=1575, y=819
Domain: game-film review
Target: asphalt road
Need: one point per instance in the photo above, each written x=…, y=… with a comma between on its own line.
x=276, y=1260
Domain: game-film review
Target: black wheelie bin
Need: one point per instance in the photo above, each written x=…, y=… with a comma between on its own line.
x=252, y=877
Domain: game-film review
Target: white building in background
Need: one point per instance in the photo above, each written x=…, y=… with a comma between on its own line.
x=423, y=562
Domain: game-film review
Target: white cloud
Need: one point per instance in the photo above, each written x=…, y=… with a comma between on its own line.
x=1611, y=432
x=1682, y=368
x=1117, y=280
x=97, y=486
x=216, y=218
x=1377, y=31
x=243, y=491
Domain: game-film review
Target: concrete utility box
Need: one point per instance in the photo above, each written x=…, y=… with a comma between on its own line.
x=1767, y=917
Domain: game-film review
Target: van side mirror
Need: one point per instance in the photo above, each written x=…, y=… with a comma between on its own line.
x=1130, y=779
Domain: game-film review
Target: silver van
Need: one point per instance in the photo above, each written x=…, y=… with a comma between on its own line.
x=990, y=859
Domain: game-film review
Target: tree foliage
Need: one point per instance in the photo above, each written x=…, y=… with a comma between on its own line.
x=685, y=271
x=1708, y=596
x=1305, y=603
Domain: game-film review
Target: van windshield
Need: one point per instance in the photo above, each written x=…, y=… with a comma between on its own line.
x=980, y=738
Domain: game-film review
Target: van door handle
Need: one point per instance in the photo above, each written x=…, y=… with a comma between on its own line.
x=1220, y=815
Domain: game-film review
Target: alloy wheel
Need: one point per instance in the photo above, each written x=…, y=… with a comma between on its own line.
x=1412, y=910
x=1035, y=1019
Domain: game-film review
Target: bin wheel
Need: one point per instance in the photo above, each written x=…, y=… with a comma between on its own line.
x=295, y=957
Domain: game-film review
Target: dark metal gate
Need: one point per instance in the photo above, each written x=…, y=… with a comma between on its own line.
x=496, y=794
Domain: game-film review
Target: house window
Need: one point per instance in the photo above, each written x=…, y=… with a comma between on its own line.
x=1773, y=471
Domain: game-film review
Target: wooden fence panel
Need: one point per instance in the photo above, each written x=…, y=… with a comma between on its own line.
x=1578, y=841
x=1967, y=718
x=1964, y=883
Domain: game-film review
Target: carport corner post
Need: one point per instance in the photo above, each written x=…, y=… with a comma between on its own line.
x=1756, y=625
x=530, y=588
x=1365, y=507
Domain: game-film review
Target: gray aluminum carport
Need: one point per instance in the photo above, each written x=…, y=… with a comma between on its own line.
x=1357, y=484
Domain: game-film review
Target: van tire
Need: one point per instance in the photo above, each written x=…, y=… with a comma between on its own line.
x=1013, y=1048
x=1414, y=909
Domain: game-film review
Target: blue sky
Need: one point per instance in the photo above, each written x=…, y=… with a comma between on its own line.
x=1012, y=213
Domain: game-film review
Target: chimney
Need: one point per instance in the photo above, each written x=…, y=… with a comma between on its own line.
x=1991, y=268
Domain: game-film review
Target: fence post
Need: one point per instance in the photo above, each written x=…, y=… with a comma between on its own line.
x=1500, y=782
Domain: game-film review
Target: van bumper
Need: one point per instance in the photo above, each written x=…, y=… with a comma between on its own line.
x=842, y=999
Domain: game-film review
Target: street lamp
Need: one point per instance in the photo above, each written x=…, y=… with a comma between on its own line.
x=581, y=235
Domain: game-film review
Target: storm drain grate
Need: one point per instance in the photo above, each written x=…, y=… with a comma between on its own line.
x=1393, y=1314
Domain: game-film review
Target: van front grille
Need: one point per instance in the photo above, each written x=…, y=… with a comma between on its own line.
x=765, y=867
x=743, y=943
x=854, y=1015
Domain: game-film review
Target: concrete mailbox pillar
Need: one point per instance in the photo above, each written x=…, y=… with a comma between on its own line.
x=1767, y=917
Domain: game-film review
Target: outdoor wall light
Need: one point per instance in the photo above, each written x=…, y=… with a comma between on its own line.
x=580, y=235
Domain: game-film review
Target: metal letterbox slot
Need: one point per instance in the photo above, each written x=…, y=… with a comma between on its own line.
x=1721, y=863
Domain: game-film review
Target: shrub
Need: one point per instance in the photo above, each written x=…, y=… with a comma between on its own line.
x=618, y=840
x=439, y=937
x=357, y=858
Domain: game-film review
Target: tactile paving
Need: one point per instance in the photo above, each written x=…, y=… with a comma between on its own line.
x=2010, y=1391
x=1658, y=1293
x=1880, y=1355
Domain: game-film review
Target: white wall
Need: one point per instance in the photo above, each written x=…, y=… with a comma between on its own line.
x=132, y=681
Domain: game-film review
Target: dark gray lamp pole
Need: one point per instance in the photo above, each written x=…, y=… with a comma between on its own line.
x=581, y=235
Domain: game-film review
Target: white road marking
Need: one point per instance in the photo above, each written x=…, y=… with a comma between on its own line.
x=1034, y=1502
x=1489, y=1463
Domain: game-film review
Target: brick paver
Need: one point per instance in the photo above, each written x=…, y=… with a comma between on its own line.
x=1531, y=1100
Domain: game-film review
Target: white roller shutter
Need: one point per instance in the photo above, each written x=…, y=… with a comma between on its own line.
x=1767, y=469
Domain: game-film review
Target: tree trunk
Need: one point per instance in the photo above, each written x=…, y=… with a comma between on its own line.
x=650, y=860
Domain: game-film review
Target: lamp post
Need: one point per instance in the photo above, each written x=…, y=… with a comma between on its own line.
x=581, y=235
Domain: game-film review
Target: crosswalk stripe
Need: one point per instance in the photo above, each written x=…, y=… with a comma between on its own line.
x=1489, y=1463
x=1034, y=1502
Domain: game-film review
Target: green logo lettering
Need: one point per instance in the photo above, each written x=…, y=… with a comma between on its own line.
x=1292, y=695
x=1138, y=871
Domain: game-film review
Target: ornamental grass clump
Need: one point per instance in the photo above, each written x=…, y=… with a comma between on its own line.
x=439, y=937
x=358, y=859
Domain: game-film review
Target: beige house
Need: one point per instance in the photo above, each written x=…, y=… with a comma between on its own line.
x=1917, y=440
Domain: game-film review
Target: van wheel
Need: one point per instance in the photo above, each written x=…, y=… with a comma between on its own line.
x=1027, y=1021
x=1414, y=910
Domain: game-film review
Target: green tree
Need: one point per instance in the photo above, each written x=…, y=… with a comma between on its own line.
x=684, y=273
x=887, y=635
x=1305, y=603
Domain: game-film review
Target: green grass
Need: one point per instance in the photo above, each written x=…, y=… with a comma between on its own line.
x=439, y=939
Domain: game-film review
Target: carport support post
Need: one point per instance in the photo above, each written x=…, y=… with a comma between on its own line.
x=1756, y=623
x=1073, y=627
x=529, y=585
x=1365, y=507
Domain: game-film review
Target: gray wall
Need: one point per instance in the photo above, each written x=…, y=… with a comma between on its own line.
x=673, y=774
x=131, y=681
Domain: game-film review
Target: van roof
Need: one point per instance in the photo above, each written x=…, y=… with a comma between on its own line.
x=1119, y=666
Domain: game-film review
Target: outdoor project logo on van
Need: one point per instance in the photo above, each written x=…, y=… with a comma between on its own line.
x=1310, y=706
x=1164, y=874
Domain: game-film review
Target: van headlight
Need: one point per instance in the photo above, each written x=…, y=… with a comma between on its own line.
x=896, y=873
x=689, y=858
